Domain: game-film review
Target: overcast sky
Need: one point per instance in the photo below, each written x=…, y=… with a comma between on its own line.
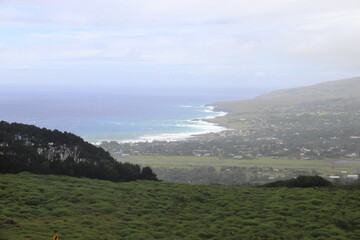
x=279, y=43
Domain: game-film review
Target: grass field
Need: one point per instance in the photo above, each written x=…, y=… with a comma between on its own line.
x=78, y=208
x=323, y=166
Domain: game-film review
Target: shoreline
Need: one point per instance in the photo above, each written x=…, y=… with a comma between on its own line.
x=200, y=123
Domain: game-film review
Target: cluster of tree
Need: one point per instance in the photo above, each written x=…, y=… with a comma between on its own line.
x=26, y=148
x=301, y=181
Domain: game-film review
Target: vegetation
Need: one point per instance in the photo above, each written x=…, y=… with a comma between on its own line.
x=242, y=172
x=235, y=176
x=37, y=206
x=301, y=181
x=310, y=123
x=29, y=148
x=309, y=130
x=314, y=122
x=332, y=91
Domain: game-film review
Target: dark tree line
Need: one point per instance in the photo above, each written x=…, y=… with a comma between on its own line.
x=302, y=182
x=25, y=148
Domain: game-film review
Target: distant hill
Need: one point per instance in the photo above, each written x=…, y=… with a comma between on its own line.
x=39, y=150
x=309, y=123
x=323, y=92
x=346, y=88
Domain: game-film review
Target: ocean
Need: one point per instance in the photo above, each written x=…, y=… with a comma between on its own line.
x=118, y=114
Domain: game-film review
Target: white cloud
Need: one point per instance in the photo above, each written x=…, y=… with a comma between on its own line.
x=330, y=38
x=115, y=13
x=202, y=35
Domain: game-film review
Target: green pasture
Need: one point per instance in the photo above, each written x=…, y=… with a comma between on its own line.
x=325, y=167
x=38, y=206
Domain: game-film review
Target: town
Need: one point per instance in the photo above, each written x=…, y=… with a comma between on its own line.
x=327, y=131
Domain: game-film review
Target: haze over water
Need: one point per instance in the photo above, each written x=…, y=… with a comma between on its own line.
x=118, y=113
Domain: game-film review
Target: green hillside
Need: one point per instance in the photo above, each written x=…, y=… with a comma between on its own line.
x=37, y=206
x=320, y=93
x=346, y=88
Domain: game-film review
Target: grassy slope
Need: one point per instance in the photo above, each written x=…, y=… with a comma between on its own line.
x=95, y=209
x=343, y=89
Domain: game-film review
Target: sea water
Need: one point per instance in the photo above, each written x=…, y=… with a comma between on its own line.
x=116, y=114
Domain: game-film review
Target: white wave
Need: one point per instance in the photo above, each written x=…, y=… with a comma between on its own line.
x=207, y=111
x=171, y=137
x=186, y=106
x=196, y=127
x=117, y=123
x=180, y=125
x=216, y=114
x=199, y=127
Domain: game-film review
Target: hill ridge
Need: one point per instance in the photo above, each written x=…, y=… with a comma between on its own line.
x=328, y=87
x=325, y=91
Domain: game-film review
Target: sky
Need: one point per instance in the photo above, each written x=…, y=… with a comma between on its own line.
x=219, y=43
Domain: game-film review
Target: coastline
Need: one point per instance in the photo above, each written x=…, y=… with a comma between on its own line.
x=208, y=126
x=201, y=126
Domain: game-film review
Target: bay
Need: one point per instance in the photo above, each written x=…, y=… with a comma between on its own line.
x=116, y=113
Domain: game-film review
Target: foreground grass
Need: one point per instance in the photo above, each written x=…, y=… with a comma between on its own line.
x=93, y=209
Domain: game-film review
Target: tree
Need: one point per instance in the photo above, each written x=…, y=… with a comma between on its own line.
x=147, y=174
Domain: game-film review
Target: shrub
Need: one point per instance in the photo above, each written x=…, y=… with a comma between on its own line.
x=301, y=181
